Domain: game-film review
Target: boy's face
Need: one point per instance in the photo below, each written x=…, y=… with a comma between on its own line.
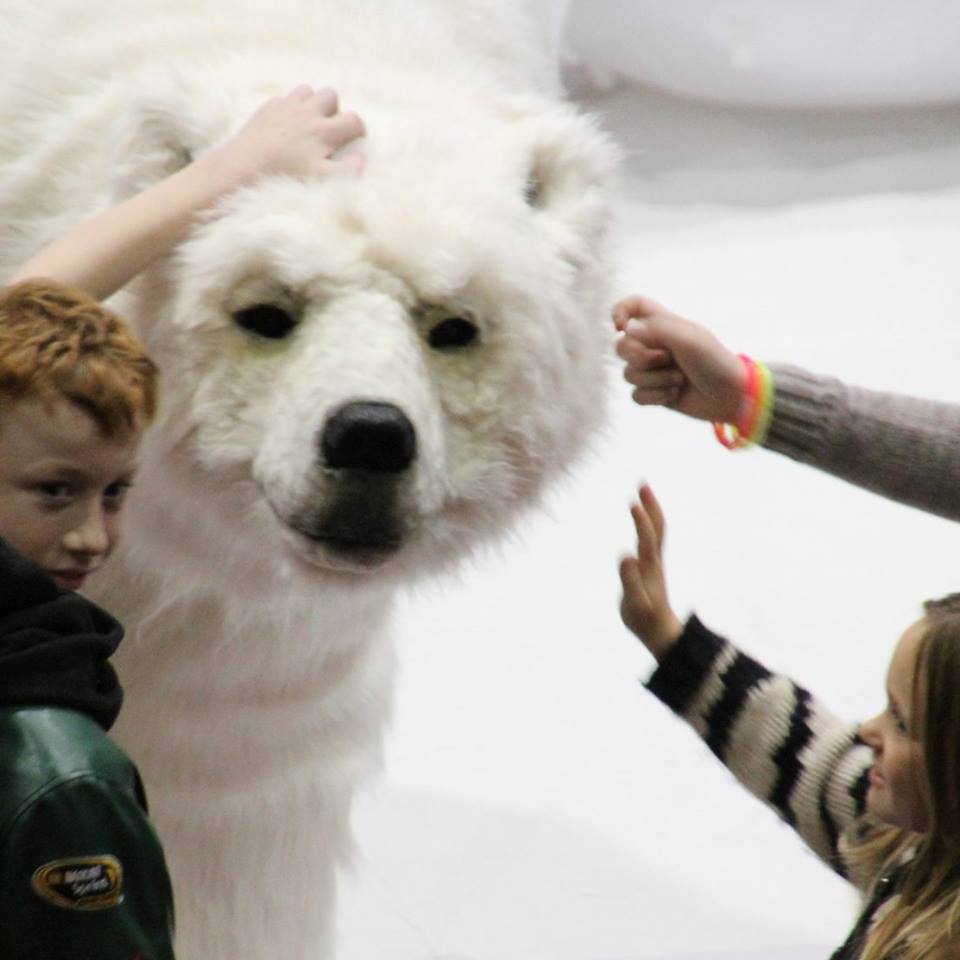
x=62, y=488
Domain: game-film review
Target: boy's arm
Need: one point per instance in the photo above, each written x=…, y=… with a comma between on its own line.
x=83, y=875
x=296, y=134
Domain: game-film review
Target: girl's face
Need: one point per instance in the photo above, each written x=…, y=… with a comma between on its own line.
x=898, y=782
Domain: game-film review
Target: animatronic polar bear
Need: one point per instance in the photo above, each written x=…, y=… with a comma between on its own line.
x=363, y=378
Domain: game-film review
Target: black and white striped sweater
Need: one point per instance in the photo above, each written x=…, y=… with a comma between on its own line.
x=780, y=743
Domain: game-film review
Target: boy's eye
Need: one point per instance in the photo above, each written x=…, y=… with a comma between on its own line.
x=54, y=491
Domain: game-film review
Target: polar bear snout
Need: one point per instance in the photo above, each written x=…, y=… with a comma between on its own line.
x=357, y=512
x=358, y=524
x=368, y=435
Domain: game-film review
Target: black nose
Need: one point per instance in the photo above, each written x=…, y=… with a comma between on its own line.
x=369, y=435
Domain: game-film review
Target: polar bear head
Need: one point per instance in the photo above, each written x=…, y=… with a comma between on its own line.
x=373, y=371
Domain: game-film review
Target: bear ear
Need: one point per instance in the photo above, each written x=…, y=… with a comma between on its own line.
x=569, y=163
x=170, y=119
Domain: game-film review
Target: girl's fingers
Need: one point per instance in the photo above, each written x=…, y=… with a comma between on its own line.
x=647, y=541
x=631, y=579
x=658, y=397
x=633, y=306
x=635, y=351
x=658, y=378
x=654, y=513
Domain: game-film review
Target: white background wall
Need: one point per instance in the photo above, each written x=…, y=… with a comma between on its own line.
x=538, y=804
x=773, y=52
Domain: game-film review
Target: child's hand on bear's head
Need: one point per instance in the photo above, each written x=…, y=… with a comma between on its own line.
x=298, y=134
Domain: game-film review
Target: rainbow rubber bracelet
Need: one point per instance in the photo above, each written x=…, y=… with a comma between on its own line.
x=758, y=390
x=764, y=411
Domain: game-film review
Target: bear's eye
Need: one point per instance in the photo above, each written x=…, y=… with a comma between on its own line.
x=452, y=333
x=533, y=191
x=266, y=320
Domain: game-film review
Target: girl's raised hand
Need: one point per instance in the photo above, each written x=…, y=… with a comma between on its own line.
x=644, y=606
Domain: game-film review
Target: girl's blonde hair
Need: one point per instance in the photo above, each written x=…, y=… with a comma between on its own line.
x=923, y=923
x=58, y=343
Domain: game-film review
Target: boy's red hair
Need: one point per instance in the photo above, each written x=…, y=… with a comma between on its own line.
x=58, y=343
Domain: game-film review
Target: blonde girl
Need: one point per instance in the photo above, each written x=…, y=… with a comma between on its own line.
x=880, y=803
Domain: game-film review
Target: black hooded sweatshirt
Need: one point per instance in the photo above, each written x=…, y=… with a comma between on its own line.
x=82, y=872
x=54, y=644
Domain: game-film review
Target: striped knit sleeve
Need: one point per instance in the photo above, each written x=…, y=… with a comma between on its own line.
x=776, y=739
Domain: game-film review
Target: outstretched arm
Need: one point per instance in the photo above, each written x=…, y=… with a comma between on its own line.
x=297, y=134
x=904, y=448
x=777, y=740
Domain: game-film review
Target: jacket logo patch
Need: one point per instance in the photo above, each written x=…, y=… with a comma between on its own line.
x=80, y=883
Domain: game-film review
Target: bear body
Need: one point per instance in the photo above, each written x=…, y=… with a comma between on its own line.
x=363, y=378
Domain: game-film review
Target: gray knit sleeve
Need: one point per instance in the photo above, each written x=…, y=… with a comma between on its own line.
x=784, y=746
x=904, y=448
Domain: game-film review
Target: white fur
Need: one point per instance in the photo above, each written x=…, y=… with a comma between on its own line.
x=257, y=667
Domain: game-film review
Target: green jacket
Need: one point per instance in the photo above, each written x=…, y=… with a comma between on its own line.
x=82, y=873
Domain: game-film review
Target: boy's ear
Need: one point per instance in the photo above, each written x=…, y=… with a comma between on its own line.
x=170, y=118
x=569, y=163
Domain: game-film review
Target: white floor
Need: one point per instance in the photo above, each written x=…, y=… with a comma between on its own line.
x=538, y=804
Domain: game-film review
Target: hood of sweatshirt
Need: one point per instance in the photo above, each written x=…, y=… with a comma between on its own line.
x=54, y=644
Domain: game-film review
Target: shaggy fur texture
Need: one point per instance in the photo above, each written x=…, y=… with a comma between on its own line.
x=447, y=308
